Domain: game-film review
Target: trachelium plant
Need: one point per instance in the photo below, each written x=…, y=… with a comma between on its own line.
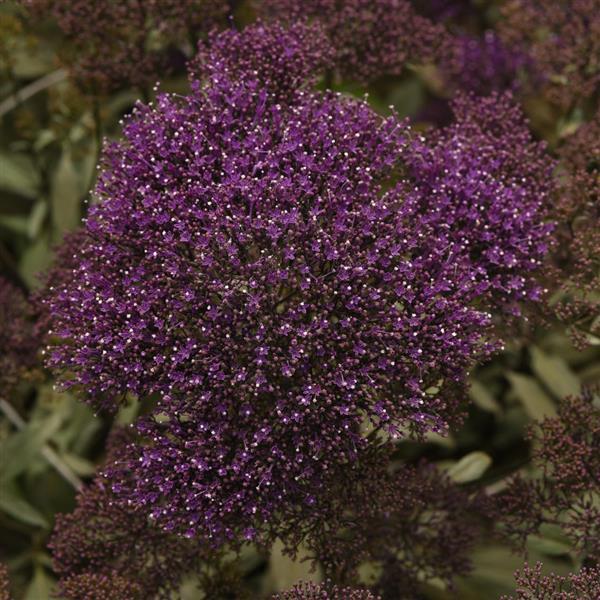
x=292, y=284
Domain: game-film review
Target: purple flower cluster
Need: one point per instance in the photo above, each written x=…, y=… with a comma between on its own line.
x=371, y=38
x=277, y=275
x=281, y=60
x=533, y=584
x=483, y=64
x=115, y=43
x=412, y=524
x=95, y=586
x=4, y=583
x=313, y=591
x=19, y=339
x=578, y=250
x=563, y=40
x=566, y=452
x=118, y=549
x=444, y=10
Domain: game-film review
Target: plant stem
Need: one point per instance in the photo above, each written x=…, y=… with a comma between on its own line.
x=30, y=90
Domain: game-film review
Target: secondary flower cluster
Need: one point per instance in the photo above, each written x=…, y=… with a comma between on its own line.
x=371, y=38
x=107, y=547
x=567, y=454
x=115, y=43
x=280, y=60
x=563, y=40
x=279, y=273
x=410, y=525
x=483, y=64
x=19, y=342
x=578, y=209
x=4, y=583
x=312, y=591
x=532, y=584
x=95, y=586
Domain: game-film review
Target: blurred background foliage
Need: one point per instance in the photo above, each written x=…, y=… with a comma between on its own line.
x=51, y=134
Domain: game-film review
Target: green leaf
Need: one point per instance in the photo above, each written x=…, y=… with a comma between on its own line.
x=536, y=402
x=548, y=545
x=18, y=224
x=34, y=260
x=18, y=175
x=41, y=585
x=480, y=396
x=21, y=448
x=555, y=373
x=285, y=572
x=13, y=504
x=470, y=467
x=36, y=218
x=65, y=195
x=79, y=465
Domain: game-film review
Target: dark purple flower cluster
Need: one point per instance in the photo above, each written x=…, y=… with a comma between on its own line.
x=411, y=525
x=371, y=38
x=484, y=189
x=4, y=583
x=483, y=64
x=281, y=60
x=118, y=548
x=567, y=454
x=313, y=591
x=533, y=584
x=444, y=10
x=96, y=586
x=563, y=40
x=578, y=250
x=115, y=43
x=19, y=340
x=281, y=274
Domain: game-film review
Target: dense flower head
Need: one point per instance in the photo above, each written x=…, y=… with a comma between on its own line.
x=106, y=542
x=19, y=339
x=95, y=586
x=411, y=524
x=279, y=274
x=534, y=585
x=325, y=591
x=116, y=43
x=282, y=60
x=444, y=10
x=566, y=454
x=371, y=38
x=460, y=174
x=4, y=583
x=563, y=40
x=483, y=64
x=578, y=212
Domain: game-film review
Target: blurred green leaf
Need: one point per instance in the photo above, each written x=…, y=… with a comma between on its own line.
x=21, y=448
x=79, y=465
x=41, y=585
x=535, y=400
x=470, y=467
x=29, y=62
x=36, y=218
x=285, y=572
x=15, y=223
x=13, y=503
x=18, y=175
x=65, y=195
x=34, y=260
x=548, y=546
x=554, y=372
x=483, y=398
